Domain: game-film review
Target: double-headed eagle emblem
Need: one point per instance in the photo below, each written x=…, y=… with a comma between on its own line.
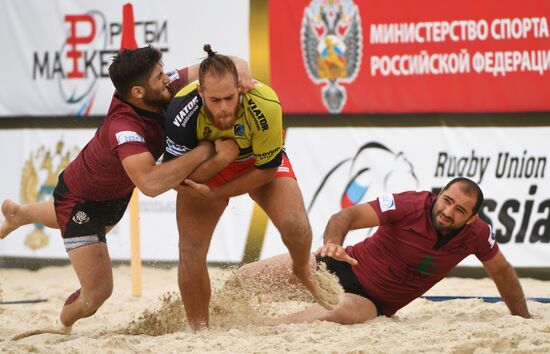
x=332, y=43
x=42, y=165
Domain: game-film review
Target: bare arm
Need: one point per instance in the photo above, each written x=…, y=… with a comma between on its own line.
x=226, y=152
x=352, y=218
x=246, y=81
x=245, y=183
x=209, y=168
x=154, y=179
x=508, y=285
x=193, y=72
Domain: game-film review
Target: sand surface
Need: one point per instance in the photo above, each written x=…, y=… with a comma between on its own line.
x=155, y=322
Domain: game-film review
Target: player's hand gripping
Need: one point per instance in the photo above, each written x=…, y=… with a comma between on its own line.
x=227, y=150
x=335, y=251
x=246, y=81
x=209, y=147
x=201, y=188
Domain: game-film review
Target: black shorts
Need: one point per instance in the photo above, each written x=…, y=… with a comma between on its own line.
x=83, y=222
x=347, y=278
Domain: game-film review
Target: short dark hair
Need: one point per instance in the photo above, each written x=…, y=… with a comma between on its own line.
x=467, y=186
x=218, y=64
x=133, y=67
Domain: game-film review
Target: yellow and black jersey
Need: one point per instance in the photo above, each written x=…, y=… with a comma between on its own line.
x=257, y=130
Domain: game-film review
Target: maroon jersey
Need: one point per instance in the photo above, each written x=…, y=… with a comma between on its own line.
x=402, y=260
x=97, y=173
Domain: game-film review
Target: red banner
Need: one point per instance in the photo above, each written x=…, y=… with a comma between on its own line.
x=399, y=56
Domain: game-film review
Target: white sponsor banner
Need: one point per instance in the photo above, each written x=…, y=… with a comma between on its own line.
x=335, y=167
x=56, y=53
x=32, y=159
x=31, y=162
x=344, y=166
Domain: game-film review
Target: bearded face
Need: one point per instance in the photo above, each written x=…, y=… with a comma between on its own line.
x=452, y=210
x=157, y=97
x=220, y=96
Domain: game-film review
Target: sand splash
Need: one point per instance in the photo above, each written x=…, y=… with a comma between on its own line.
x=329, y=290
x=240, y=301
x=168, y=317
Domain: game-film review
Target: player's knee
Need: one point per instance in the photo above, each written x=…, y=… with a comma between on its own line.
x=91, y=300
x=189, y=261
x=192, y=252
x=98, y=296
x=344, y=316
x=295, y=229
x=351, y=310
x=95, y=300
x=188, y=248
x=245, y=273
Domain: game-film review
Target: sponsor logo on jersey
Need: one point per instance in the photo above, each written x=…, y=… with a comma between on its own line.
x=187, y=112
x=206, y=132
x=386, y=202
x=80, y=217
x=127, y=136
x=173, y=75
x=258, y=115
x=175, y=149
x=492, y=237
x=238, y=130
x=283, y=169
x=268, y=154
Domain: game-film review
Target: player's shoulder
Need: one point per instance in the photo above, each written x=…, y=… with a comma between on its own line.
x=415, y=199
x=123, y=119
x=262, y=94
x=120, y=110
x=481, y=232
x=183, y=109
x=190, y=88
x=407, y=203
x=479, y=227
x=123, y=113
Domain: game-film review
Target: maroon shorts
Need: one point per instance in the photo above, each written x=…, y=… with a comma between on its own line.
x=237, y=168
x=83, y=222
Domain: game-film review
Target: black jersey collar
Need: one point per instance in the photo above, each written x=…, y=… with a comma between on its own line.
x=442, y=240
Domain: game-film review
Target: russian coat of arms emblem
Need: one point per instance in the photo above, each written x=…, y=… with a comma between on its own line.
x=38, y=180
x=332, y=42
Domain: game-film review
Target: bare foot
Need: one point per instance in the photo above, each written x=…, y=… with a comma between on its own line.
x=10, y=223
x=323, y=286
x=56, y=328
x=328, y=290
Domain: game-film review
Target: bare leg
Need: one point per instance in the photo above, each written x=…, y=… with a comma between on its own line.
x=16, y=215
x=276, y=269
x=351, y=309
x=197, y=220
x=271, y=278
x=282, y=201
x=93, y=268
